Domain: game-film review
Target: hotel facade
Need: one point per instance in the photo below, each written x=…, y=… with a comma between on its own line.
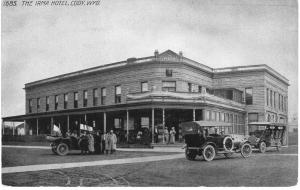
x=161, y=91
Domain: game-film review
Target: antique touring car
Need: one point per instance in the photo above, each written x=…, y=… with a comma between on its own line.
x=207, y=138
x=62, y=145
x=267, y=134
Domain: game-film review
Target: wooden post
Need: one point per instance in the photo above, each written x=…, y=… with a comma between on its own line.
x=127, y=123
x=24, y=127
x=52, y=124
x=104, y=122
x=153, y=125
x=194, y=114
x=3, y=124
x=163, y=116
x=68, y=123
x=37, y=126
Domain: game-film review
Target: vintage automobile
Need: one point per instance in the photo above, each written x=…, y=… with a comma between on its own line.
x=62, y=145
x=205, y=138
x=267, y=134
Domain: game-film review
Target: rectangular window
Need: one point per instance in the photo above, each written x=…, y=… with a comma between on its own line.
x=118, y=94
x=275, y=99
x=200, y=89
x=145, y=122
x=65, y=101
x=169, y=72
x=30, y=105
x=47, y=103
x=222, y=117
x=169, y=86
x=271, y=98
x=118, y=123
x=267, y=97
x=75, y=99
x=249, y=96
x=56, y=102
x=103, y=96
x=38, y=103
x=95, y=97
x=85, y=98
x=144, y=86
x=252, y=117
x=189, y=87
x=207, y=115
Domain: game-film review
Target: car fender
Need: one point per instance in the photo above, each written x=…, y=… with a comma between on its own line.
x=209, y=143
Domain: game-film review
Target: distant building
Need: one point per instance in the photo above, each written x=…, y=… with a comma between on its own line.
x=161, y=90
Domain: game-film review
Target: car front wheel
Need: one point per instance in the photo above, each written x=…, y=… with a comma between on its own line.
x=62, y=149
x=262, y=147
x=246, y=150
x=209, y=153
x=190, y=154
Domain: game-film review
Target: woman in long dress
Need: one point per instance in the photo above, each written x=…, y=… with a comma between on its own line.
x=91, y=143
x=172, y=135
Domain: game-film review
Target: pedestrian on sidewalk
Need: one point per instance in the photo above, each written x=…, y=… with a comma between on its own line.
x=172, y=135
x=111, y=142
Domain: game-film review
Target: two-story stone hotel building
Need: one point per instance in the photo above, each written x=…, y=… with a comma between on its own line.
x=160, y=90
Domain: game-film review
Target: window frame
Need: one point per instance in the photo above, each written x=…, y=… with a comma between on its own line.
x=142, y=88
x=167, y=88
x=118, y=94
x=103, y=95
x=85, y=98
x=247, y=98
x=75, y=99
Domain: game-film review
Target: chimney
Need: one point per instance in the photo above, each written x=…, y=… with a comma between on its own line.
x=180, y=54
x=156, y=53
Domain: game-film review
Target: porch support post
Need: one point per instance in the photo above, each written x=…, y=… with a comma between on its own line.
x=25, y=132
x=246, y=132
x=13, y=128
x=127, y=127
x=3, y=124
x=52, y=124
x=163, y=117
x=37, y=126
x=194, y=114
x=153, y=125
x=68, y=123
x=104, y=122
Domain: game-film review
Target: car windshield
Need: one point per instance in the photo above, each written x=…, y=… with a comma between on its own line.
x=219, y=130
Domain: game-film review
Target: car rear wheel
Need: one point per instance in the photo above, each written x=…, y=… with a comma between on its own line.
x=262, y=147
x=228, y=155
x=190, y=154
x=209, y=153
x=62, y=149
x=246, y=150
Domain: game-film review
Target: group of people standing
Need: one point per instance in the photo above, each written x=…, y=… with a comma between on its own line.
x=169, y=136
x=96, y=143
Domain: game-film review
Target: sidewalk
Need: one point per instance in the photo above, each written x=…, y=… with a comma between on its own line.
x=155, y=149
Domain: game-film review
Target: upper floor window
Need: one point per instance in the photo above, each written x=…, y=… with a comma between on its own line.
x=38, y=103
x=169, y=86
x=103, y=95
x=267, y=97
x=144, y=86
x=47, y=103
x=85, y=98
x=169, y=72
x=75, y=99
x=249, y=96
x=65, y=101
x=189, y=87
x=118, y=94
x=30, y=105
x=252, y=117
x=275, y=99
x=95, y=97
x=200, y=89
x=271, y=98
x=56, y=102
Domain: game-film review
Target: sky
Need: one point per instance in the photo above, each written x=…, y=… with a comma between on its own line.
x=41, y=42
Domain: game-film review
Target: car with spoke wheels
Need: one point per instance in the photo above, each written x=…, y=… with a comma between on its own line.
x=208, y=139
x=263, y=135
